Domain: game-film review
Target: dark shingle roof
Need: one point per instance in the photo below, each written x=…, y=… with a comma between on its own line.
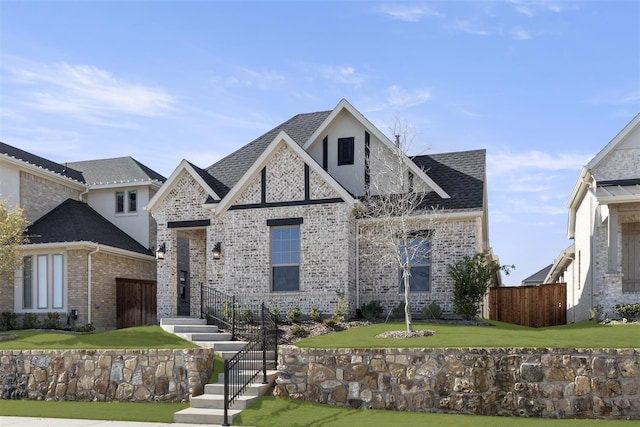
x=74, y=221
x=116, y=170
x=460, y=174
x=538, y=277
x=230, y=169
x=41, y=162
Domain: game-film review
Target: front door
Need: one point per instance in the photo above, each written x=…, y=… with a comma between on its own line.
x=184, y=294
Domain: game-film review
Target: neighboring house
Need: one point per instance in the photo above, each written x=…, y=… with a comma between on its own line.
x=602, y=267
x=77, y=246
x=538, y=277
x=275, y=220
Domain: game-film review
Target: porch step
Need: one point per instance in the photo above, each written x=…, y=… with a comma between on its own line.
x=191, y=329
x=204, y=336
x=254, y=389
x=243, y=376
x=169, y=323
x=203, y=416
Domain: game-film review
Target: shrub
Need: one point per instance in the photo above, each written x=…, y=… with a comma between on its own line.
x=315, y=314
x=85, y=328
x=431, y=311
x=245, y=316
x=330, y=322
x=371, y=310
x=30, y=321
x=340, y=310
x=398, y=310
x=275, y=312
x=8, y=322
x=52, y=321
x=298, y=331
x=630, y=312
x=227, y=311
x=293, y=315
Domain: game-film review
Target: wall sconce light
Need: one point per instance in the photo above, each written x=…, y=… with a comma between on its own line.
x=217, y=250
x=161, y=251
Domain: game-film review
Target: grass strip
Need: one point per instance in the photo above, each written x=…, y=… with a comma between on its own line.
x=278, y=412
x=588, y=334
x=113, y=411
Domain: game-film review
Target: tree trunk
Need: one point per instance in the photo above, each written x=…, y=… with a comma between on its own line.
x=407, y=301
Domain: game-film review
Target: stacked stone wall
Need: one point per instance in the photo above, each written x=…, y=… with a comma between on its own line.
x=548, y=383
x=105, y=375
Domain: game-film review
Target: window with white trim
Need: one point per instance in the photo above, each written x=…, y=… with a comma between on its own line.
x=419, y=254
x=126, y=201
x=43, y=282
x=285, y=258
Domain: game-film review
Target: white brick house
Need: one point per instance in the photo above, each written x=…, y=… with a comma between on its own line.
x=602, y=266
x=280, y=212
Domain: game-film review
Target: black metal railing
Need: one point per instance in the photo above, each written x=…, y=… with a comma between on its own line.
x=249, y=322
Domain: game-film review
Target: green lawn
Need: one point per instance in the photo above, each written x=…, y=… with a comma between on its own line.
x=114, y=411
x=579, y=335
x=278, y=412
x=152, y=337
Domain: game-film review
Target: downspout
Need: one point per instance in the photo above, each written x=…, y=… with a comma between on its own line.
x=89, y=283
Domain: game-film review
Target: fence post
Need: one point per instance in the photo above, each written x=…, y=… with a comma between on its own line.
x=201, y=300
x=264, y=346
x=226, y=393
x=233, y=318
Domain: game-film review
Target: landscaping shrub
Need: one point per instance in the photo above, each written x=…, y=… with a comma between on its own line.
x=371, y=310
x=52, y=321
x=8, y=322
x=398, y=310
x=245, y=316
x=432, y=311
x=631, y=312
x=315, y=314
x=298, y=331
x=275, y=312
x=330, y=322
x=30, y=321
x=340, y=310
x=85, y=328
x=293, y=315
x=227, y=311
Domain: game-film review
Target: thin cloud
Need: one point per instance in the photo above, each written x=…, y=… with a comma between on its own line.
x=519, y=33
x=506, y=162
x=250, y=78
x=344, y=74
x=532, y=8
x=399, y=97
x=470, y=27
x=408, y=13
x=88, y=92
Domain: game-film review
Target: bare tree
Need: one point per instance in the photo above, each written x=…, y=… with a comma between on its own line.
x=396, y=222
x=12, y=226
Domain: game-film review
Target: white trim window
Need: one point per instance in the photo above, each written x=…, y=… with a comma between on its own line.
x=126, y=201
x=43, y=282
x=419, y=253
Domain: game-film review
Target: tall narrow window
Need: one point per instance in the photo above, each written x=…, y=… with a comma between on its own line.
x=27, y=277
x=285, y=258
x=345, y=151
x=56, y=280
x=418, y=251
x=43, y=289
x=119, y=201
x=133, y=201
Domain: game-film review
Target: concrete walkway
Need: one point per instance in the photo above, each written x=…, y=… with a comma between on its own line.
x=66, y=422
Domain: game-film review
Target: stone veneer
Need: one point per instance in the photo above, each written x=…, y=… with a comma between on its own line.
x=549, y=383
x=105, y=375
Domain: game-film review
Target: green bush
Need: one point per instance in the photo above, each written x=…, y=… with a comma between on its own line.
x=630, y=312
x=275, y=312
x=30, y=321
x=340, y=310
x=52, y=321
x=398, y=311
x=293, y=315
x=85, y=328
x=330, y=322
x=315, y=314
x=432, y=311
x=298, y=331
x=371, y=310
x=245, y=316
x=227, y=311
x=8, y=321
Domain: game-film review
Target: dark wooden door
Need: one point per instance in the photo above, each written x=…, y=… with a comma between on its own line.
x=136, y=303
x=184, y=294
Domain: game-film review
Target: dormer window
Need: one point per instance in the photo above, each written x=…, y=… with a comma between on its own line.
x=133, y=205
x=119, y=201
x=345, y=151
x=126, y=201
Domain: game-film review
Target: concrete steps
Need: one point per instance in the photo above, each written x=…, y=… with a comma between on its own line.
x=208, y=408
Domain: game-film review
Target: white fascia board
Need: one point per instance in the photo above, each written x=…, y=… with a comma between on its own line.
x=635, y=122
x=37, y=170
x=577, y=195
x=267, y=154
x=344, y=104
x=48, y=247
x=631, y=198
x=170, y=183
x=560, y=264
x=123, y=184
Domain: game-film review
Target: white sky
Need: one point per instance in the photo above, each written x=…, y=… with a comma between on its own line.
x=541, y=85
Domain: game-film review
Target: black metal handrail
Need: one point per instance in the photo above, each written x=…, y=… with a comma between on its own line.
x=250, y=322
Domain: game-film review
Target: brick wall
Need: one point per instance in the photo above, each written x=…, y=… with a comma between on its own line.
x=39, y=195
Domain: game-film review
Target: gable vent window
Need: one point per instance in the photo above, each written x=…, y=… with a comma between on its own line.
x=345, y=151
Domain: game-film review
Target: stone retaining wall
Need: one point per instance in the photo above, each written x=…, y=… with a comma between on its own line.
x=105, y=375
x=549, y=383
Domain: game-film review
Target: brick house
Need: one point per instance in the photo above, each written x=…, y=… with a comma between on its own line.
x=87, y=228
x=274, y=221
x=602, y=266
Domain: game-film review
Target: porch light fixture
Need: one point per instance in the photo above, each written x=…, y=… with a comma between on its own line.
x=161, y=251
x=217, y=250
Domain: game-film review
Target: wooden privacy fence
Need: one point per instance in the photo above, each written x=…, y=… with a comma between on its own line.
x=534, y=306
x=135, y=302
